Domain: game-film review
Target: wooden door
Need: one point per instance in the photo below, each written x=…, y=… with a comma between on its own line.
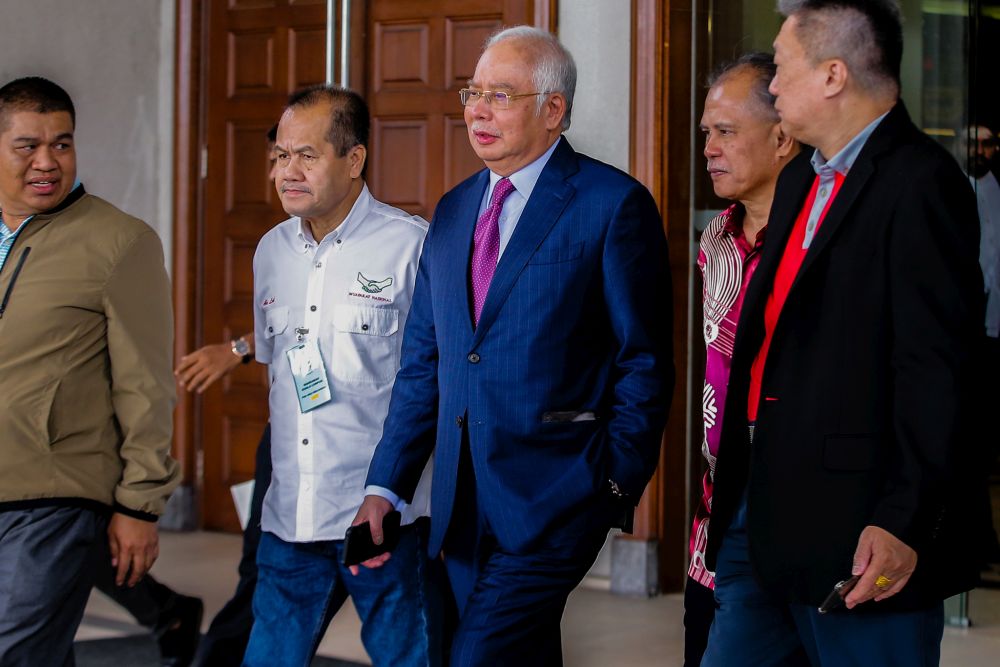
x=258, y=52
x=419, y=55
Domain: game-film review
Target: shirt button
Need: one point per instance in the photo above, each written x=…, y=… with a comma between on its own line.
x=822, y=192
x=473, y=358
x=339, y=241
x=319, y=265
x=459, y=421
x=364, y=327
x=270, y=330
x=305, y=441
x=312, y=308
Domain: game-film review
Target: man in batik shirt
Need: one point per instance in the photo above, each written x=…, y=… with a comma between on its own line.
x=746, y=150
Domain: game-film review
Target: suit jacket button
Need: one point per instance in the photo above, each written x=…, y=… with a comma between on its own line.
x=473, y=358
x=459, y=421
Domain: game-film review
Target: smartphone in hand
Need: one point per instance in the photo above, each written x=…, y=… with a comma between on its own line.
x=836, y=597
x=358, y=543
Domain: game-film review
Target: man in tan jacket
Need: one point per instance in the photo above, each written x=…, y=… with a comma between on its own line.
x=85, y=370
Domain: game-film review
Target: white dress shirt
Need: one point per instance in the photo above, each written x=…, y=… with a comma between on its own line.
x=351, y=293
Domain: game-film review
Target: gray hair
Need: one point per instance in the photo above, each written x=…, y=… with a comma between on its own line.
x=866, y=34
x=761, y=66
x=555, y=71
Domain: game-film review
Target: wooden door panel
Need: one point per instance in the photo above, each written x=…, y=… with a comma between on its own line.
x=400, y=147
x=401, y=58
x=304, y=68
x=250, y=61
x=463, y=42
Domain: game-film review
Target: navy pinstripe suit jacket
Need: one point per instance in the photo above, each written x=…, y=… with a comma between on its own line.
x=577, y=320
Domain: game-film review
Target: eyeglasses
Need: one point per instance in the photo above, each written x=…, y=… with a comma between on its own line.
x=494, y=98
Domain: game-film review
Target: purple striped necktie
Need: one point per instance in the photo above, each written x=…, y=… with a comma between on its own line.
x=486, y=246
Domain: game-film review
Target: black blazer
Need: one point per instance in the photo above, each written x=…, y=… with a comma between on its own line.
x=872, y=366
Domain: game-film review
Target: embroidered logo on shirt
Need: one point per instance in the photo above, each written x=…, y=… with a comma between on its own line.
x=373, y=286
x=267, y=302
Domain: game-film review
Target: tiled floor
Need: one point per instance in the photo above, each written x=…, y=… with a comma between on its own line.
x=598, y=629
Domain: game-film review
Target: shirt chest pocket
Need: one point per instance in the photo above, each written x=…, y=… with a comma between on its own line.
x=365, y=344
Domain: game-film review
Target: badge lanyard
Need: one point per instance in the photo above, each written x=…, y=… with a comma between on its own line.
x=308, y=372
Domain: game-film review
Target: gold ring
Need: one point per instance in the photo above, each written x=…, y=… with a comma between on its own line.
x=882, y=581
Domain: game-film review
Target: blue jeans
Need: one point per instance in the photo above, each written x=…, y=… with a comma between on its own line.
x=754, y=628
x=301, y=586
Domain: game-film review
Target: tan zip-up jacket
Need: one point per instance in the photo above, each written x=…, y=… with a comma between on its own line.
x=85, y=362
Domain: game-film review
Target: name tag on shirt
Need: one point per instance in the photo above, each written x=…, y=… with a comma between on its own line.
x=309, y=375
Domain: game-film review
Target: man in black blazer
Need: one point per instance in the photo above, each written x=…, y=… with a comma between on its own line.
x=853, y=369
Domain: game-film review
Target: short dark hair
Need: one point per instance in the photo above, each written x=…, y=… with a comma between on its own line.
x=272, y=134
x=33, y=93
x=865, y=34
x=349, y=122
x=761, y=66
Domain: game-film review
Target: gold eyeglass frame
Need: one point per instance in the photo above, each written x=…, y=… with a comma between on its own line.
x=466, y=95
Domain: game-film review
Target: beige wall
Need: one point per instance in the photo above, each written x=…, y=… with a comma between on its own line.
x=598, y=33
x=115, y=58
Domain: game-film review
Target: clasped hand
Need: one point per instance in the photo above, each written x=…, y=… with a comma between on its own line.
x=880, y=554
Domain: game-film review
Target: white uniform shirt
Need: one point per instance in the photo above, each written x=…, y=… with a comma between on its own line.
x=351, y=292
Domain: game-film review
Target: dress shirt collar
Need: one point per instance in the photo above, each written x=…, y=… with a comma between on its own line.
x=524, y=179
x=358, y=212
x=844, y=159
x=733, y=226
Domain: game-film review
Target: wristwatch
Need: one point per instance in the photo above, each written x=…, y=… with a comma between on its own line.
x=241, y=348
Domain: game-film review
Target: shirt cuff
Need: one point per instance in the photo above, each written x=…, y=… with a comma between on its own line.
x=382, y=492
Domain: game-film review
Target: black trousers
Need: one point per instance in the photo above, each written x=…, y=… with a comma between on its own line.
x=699, y=612
x=149, y=601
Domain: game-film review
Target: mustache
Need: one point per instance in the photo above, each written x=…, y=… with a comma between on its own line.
x=285, y=187
x=484, y=128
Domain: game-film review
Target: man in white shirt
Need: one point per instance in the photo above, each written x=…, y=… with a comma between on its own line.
x=982, y=162
x=332, y=288
x=981, y=157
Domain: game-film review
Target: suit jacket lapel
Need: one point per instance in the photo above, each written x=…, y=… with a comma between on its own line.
x=548, y=200
x=459, y=242
x=841, y=205
x=857, y=178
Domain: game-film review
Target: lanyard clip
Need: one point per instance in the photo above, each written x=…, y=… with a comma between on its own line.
x=300, y=333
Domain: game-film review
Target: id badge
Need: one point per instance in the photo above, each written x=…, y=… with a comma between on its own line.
x=309, y=375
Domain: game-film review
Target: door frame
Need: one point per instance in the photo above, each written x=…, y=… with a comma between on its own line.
x=187, y=237
x=661, y=144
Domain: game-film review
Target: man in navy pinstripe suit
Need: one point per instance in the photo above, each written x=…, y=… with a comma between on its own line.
x=536, y=362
